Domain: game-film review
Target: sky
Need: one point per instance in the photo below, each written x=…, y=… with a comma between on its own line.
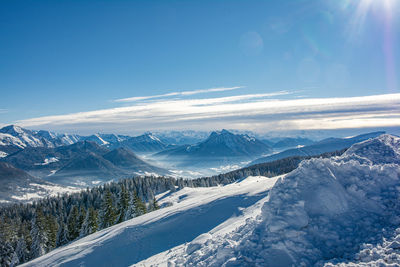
x=136, y=66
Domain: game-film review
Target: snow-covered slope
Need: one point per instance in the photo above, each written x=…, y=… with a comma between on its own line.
x=194, y=211
x=18, y=137
x=322, y=213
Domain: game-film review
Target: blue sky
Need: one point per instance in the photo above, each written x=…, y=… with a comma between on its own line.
x=71, y=57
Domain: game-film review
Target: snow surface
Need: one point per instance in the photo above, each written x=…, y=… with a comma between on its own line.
x=37, y=191
x=8, y=139
x=194, y=211
x=342, y=211
x=3, y=154
x=47, y=161
x=324, y=210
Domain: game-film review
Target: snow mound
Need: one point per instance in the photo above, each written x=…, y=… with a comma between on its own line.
x=198, y=242
x=326, y=209
x=383, y=149
x=386, y=253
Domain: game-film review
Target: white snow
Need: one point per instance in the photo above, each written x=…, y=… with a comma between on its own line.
x=3, y=154
x=385, y=253
x=52, y=172
x=341, y=211
x=37, y=191
x=47, y=161
x=194, y=211
x=325, y=209
x=102, y=141
x=8, y=139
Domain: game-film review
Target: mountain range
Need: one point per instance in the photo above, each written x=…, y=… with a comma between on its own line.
x=220, y=147
x=81, y=164
x=83, y=161
x=323, y=146
x=146, y=143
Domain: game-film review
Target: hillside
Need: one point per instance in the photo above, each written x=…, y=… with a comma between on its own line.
x=17, y=185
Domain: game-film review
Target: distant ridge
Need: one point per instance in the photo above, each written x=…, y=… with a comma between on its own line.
x=220, y=146
x=323, y=146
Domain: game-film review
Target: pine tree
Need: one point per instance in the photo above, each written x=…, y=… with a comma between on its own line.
x=92, y=221
x=38, y=234
x=72, y=223
x=14, y=260
x=21, y=251
x=52, y=230
x=139, y=205
x=62, y=234
x=123, y=204
x=130, y=213
x=154, y=205
x=81, y=219
x=89, y=225
x=108, y=211
x=6, y=253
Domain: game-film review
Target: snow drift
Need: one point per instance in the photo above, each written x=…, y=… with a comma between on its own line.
x=324, y=210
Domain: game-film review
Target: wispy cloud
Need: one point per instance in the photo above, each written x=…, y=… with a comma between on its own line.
x=251, y=112
x=3, y=110
x=183, y=93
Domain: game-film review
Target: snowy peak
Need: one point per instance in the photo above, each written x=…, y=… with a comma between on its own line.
x=27, y=137
x=112, y=138
x=13, y=130
x=9, y=140
x=186, y=137
x=383, y=149
x=144, y=144
x=147, y=137
x=97, y=139
x=236, y=141
x=227, y=137
x=220, y=147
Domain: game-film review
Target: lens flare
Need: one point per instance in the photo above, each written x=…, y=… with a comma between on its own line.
x=385, y=9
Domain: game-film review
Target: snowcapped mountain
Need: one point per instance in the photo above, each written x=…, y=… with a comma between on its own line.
x=84, y=163
x=335, y=211
x=146, y=143
x=25, y=137
x=182, y=137
x=221, y=146
x=113, y=138
x=326, y=145
x=14, y=138
x=97, y=139
x=108, y=140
